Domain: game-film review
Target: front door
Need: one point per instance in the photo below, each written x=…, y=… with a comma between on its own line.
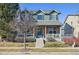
x=39, y=32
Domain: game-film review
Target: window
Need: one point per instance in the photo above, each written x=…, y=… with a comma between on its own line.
x=52, y=17
x=40, y=17
x=51, y=30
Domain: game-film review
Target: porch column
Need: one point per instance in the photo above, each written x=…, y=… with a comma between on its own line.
x=33, y=32
x=45, y=31
x=60, y=33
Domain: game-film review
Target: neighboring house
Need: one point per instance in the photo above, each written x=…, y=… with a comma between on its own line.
x=71, y=26
x=47, y=25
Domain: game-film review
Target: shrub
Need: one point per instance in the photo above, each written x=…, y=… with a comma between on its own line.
x=55, y=44
x=28, y=39
x=71, y=43
x=68, y=40
x=76, y=44
x=51, y=39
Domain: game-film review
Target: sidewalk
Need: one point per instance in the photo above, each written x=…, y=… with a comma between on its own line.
x=39, y=53
x=34, y=49
x=40, y=48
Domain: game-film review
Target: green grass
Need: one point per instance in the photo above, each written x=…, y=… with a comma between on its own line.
x=11, y=47
x=15, y=44
x=56, y=44
x=53, y=50
x=11, y=50
x=38, y=50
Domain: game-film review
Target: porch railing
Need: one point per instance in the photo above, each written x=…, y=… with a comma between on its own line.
x=53, y=35
x=68, y=35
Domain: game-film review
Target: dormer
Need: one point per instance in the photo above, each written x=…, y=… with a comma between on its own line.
x=46, y=14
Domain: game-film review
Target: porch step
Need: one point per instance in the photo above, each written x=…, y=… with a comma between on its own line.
x=39, y=43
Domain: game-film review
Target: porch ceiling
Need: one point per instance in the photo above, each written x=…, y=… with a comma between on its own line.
x=48, y=23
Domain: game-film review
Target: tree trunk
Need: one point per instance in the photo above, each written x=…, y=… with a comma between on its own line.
x=24, y=41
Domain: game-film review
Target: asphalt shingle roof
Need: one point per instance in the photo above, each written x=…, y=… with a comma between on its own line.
x=44, y=11
x=48, y=22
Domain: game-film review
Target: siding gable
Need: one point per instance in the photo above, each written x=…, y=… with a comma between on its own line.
x=54, y=13
x=46, y=14
x=39, y=12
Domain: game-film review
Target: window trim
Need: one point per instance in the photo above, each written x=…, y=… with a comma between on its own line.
x=52, y=29
x=51, y=17
x=42, y=17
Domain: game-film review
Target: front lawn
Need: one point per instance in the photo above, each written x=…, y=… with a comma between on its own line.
x=56, y=44
x=32, y=44
x=30, y=47
x=15, y=44
x=53, y=50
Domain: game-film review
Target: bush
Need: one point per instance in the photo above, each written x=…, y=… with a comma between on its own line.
x=55, y=44
x=71, y=43
x=76, y=44
x=51, y=39
x=28, y=39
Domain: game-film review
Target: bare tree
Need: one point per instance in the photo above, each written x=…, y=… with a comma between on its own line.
x=24, y=22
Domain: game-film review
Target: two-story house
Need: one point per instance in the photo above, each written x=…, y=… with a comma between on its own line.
x=47, y=25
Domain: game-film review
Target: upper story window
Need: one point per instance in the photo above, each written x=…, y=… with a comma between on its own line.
x=53, y=17
x=40, y=17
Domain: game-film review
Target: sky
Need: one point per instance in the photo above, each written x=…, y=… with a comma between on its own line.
x=64, y=8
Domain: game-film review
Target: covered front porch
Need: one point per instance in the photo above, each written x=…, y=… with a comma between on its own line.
x=46, y=31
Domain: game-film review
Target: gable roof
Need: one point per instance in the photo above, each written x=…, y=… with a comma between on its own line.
x=44, y=11
x=70, y=15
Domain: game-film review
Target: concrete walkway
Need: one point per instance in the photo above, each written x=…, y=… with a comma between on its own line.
x=41, y=48
x=39, y=43
x=39, y=53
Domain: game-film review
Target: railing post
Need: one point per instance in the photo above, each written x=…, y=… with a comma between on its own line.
x=45, y=31
x=24, y=41
x=60, y=33
x=33, y=32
